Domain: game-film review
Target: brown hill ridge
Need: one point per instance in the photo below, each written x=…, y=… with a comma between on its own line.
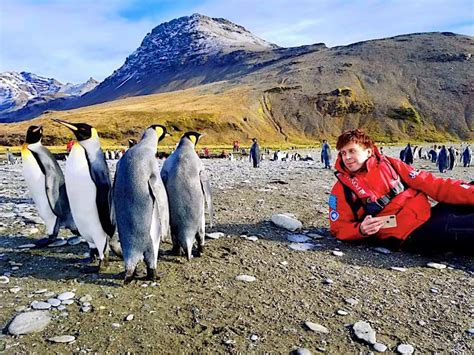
x=416, y=86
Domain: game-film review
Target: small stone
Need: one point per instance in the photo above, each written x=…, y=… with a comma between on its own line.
x=116, y=325
x=405, y=349
x=254, y=337
x=26, y=246
x=86, y=298
x=40, y=305
x=318, y=328
x=315, y=236
x=342, y=312
x=436, y=266
x=4, y=280
x=286, y=222
x=129, y=317
x=54, y=302
x=85, y=309
x=337, y=253
x=328, y=281
x=66, y=296
x=215, y=235
x=29, y=322
x=382, y=250
x=40, y=291
x=284, y=263
x=61, y=307
x=15, y=289
x=470, y=331
x=298, y=238
x=33, y=231
x=86, y=304
x=67, y=302
x=396, y=268
x=75, y=240
x=301, y=351
x=434, y=290
x=351, y=301
x=58, y=243
x=422, y=323
x=49, y=294
x=245, y=278
x=302, y=246
x=252, y=238
x=14, y=268
x=364, y=331
x=62, y=339
x=20, y=309
x=380, y=348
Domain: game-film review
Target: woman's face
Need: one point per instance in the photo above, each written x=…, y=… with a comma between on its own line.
x=354, y=156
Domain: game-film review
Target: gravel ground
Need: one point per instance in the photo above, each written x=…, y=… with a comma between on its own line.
x=200, y=306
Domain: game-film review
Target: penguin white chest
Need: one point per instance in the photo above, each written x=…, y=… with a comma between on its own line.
x=35, y=180
x=82, y=193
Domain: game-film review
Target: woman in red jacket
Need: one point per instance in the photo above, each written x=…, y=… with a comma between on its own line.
x=383, y=199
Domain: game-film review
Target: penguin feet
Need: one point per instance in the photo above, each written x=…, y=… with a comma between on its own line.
x=104, y=264
x=199, y=250
x=44, y=242
x=129, y=277
x=93, y=254
x=151, y=274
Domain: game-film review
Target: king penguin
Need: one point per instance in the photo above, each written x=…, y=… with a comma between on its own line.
x=46, y=185
x=188, y=188
x=88, y=185
x=140, y=204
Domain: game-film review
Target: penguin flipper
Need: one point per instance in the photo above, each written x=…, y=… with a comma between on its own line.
x=54, y=182
x=206, y=188
x=154, y=185
x=100, y=175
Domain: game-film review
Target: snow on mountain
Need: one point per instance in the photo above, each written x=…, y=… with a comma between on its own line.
x=17, y=89
x=194, y=39
x=79, y=89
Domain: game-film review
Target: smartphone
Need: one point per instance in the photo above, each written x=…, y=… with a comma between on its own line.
x=390, y=221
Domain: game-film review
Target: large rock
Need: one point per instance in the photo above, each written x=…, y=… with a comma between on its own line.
x=287, y=222
x=29, y=322
x=364, y=331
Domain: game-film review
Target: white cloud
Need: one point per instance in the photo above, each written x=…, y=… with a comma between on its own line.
x=72, y=40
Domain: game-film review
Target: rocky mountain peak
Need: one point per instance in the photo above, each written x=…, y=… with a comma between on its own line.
x=194, y=39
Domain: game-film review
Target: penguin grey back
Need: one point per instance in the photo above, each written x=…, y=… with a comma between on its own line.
x=138, y=204
x=183, y=175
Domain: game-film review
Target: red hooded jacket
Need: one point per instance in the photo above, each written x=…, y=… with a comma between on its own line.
x=411, y=206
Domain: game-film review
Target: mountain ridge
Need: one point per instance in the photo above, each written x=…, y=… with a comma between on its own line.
x=414, y=85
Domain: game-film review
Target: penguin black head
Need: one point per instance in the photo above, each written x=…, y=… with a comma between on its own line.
x=34, y=134
x=161, y=131
x=131, y=143
x=193, y=136
x=82, y=131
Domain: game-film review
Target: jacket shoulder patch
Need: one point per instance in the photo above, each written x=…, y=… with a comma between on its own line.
x=334, y=216
x=333, y=202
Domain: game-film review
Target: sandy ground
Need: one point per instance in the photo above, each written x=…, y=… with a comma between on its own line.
x=199, y=306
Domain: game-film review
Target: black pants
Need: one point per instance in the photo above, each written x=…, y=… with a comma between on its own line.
x=450, y=228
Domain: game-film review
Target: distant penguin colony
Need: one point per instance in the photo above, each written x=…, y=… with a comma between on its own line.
x=46, y=185
x=144, y=204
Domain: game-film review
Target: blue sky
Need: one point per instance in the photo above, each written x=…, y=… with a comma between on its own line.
x=72, y=40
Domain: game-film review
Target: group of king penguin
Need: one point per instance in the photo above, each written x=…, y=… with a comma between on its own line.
x=145, y=204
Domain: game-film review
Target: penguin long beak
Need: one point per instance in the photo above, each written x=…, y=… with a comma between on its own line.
x=66, y=124
x=37, y=128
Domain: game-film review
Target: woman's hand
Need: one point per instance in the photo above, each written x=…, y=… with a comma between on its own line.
x=371, y=225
